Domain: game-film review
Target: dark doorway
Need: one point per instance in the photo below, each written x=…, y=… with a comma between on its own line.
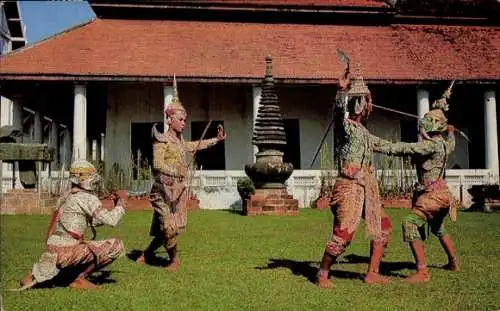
x=142, y=143
x=292, y=149
x=409, y=131
x=213, y=158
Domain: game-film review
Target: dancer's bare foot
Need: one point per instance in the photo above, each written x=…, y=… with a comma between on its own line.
x=421, y=276
x=452, y=265
x=376, y=278
x=28, y=279
x=81, y=283
x=174, y=265
x=324, y=282
x=141, y=259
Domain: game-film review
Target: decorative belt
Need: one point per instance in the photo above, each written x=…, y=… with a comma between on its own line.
x=438, y=184
x=168, y=179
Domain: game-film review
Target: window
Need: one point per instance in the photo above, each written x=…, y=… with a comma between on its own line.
x=212, y=158
x=142, y=144
x=409, y=131
x=292, y=149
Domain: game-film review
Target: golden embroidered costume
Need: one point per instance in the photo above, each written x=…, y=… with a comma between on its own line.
x=169, y=194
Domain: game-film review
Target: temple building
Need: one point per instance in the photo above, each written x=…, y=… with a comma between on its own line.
x=109, y=79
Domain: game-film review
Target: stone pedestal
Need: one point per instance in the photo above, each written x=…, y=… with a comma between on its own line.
x=26, y=201
x=271, y=202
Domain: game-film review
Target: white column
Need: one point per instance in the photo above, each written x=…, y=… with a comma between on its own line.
x=256, y=95
x=168, y=92
x=422, y=103
x=5, y=111
x=17, y=113
x=66, y=149
x=94, y=149
x=102, y=147
x=54, y=142
x=80, y=123
x=98, y=149
x=490, y=131
x=5, y=119
x=37, y=128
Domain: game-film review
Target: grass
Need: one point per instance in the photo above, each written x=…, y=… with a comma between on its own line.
x=232, y=262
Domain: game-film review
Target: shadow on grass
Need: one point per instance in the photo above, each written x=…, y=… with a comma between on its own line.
x=307, y=270
x=65, y=278
x=235, y=211
x=154, y=261
x=386, y=268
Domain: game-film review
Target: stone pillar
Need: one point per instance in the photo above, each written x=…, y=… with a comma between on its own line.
x=80, y=123
x=168, y=94
x=256, y=95
x=37, y=128
x=490, y=131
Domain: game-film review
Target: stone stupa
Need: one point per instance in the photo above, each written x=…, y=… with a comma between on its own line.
x=269, y=173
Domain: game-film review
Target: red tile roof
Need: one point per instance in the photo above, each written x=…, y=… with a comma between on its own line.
x=302, y=3
x=207, y=50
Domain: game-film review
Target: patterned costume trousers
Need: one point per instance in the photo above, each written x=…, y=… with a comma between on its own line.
x=429, y=207
x=348, y=210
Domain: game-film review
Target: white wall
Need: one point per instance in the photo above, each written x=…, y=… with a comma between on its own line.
x=128, y=103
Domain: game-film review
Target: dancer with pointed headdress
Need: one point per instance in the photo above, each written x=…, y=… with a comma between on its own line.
x=168, y=195
x=356, y=194
x=432, y=200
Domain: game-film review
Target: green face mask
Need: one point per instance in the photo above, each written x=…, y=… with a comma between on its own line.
x=430, y=123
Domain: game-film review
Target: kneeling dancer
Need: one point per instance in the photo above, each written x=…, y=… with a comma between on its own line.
x=67, y=253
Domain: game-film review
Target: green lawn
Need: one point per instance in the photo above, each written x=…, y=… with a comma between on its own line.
x=232, y=262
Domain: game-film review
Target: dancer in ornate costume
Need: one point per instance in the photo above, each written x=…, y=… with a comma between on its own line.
x=169, y=194
x=355, y=194
x=432, y=200
x=67, y=252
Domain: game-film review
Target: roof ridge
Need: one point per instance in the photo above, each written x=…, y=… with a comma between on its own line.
x=46, y=39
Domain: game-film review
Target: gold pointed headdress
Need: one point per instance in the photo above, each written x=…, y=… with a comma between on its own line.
x=442, y=103
x=357, y=86
x=175, y=105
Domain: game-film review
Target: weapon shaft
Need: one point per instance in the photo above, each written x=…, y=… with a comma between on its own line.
x=396, y=111
x=190, y=174
x=321, y=142
x=416, y=117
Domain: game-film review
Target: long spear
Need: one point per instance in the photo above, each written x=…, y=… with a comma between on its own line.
x=346, y=61
x=416, y=117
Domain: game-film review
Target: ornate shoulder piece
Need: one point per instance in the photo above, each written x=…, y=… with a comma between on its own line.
x=160, y=137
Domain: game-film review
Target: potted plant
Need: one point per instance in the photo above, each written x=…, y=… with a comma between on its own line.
x=485, y=197
x=141, y=182
x=395, y=180
x=246, y=189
